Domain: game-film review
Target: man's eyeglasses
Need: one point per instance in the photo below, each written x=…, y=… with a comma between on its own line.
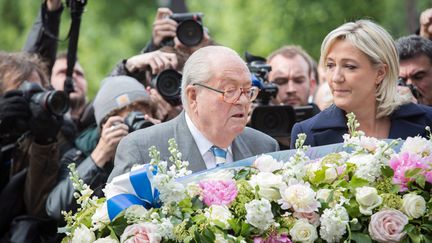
x=232, y=95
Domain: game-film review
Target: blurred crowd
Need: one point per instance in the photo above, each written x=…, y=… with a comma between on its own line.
x=184, y=85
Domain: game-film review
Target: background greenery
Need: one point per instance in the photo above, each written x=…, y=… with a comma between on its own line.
x=115, y=29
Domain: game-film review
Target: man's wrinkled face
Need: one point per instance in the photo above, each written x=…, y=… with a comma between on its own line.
x=418, y=72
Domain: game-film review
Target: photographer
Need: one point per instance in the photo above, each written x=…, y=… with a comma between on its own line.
x=146, y=68
x=30, y=142
x=415, y=67
x=95, y=148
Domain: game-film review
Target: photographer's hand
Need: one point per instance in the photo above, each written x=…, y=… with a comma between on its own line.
x=13, y=107
x=43, y=125
x=426, y=24
x=156, y=61
x=163, y=26
x=112, y=132
x=53, y=5
x=165, y=111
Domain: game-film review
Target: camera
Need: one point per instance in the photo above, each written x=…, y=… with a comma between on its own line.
x=413, y=89
x=135, y=120
x=189, y=31
x=168, y=84
x=52, y=101
x=260, y=70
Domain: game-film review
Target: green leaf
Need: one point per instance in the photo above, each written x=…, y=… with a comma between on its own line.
x=409, y=228
x=412, y=172
x=358, y=182
x=360, y=237
x=415, y=237
x=387, y=171
x=235, y=226
x=245, y=229
x=421, y=181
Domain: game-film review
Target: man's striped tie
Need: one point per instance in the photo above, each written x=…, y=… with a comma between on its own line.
x=219, y=154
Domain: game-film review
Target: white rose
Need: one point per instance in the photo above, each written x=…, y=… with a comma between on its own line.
x=330, y=175
x=414, y=206
x=368, y=199
x=266, y=163
x=323, y=194
x=220, y=213
x=83, y=234
x=107, y=239
x=302, y=231
x=100, y=217
x=268, y=183
x=300, y=197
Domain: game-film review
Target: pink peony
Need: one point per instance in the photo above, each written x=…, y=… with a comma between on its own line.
x=282, y=238
x=388, y=225
x=144, y=232
x=218, y=192
x=403, y=162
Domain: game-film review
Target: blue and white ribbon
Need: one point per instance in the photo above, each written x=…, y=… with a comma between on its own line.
x=136, y=189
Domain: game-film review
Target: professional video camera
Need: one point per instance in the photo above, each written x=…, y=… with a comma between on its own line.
x=135, y=120
x=168, y=84
x=189, y=31
x=413, y=89
x=259, y=69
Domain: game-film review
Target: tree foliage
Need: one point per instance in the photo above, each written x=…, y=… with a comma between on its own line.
x=114, y=30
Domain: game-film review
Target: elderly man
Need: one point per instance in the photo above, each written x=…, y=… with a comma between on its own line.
x=415, y=65
x=292, y=73
x=216, y=94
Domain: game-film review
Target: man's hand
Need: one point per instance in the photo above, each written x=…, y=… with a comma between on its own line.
x=426, y=24
x=53, y=5
x=163, y=26
x=112, y=132
x=13, y=107
x=165, y=111
x=43, y=125
x=157, y=61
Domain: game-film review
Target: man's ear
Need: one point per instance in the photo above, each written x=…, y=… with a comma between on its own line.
x=312, y=86
x=191, y=95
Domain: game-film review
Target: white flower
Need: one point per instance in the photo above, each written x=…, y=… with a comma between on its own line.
x=136, y=212
x=193, y=189
x=333, y=223
x=330, y=175
x=368, y=166
x=266, y=163
x=302, y=231
x=172, y=191
x=83, y=234
x=323, y=194
x=417, y=145
x=166, y=229
x=369, y=143
x=219, y=213
x=414, y=206
x=300, y=197
x=107, y=239
x=368, y=199
x=268, y=183
x=100, y=218
x=259, y=214
x=220, y=239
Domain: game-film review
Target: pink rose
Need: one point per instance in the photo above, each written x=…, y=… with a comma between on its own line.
x=388, y=225
x=221, y=192
x=312, y=217
x=282, y=238
x=144, y=232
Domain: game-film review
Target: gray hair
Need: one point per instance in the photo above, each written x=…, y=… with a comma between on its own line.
x=378, y=45
x=413, y=46
x=199, y=67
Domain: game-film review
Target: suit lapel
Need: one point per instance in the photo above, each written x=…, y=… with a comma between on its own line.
x=187, y=145
x=331, y=127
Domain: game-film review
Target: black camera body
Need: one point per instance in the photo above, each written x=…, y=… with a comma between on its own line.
x=168, y=84
x=190, y=30
x=135, y=121
x=54, y=102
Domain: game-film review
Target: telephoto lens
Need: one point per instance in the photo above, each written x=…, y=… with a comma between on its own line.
x=54, y=101
x=168, y=84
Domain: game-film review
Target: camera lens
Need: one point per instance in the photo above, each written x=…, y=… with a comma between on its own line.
x=190, y=32
x=168, y=84
x=56, y=102
x=135, y=121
